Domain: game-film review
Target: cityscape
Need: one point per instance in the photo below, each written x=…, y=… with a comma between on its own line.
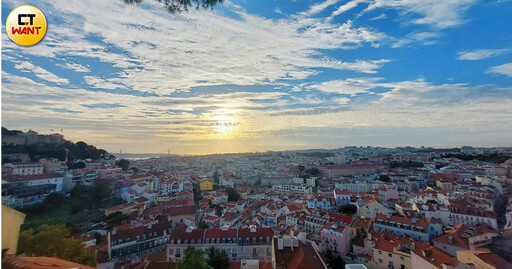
x=268, y=134
x=350, y=207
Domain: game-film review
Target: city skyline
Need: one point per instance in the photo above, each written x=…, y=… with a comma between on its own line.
x=248, y=77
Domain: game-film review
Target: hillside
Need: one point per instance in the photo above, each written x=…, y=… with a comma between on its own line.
x=47, y=146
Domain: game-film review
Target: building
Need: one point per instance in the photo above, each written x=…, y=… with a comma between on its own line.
x=371, y=208
x=416, y=228
x=32, y=189
x=22, y=168
x=433, y=258
x=129, y=243
x=467, y=214
x=483, y=259
x=53, y=165
x=463, y=237
x=239, y=243
x=206, y=185
x=14, y=137
x=395, y=252
x=314, y=223
x=292, y=188
x=11, y=222
x=335, y=237
x=290, y=251
x=354, y=168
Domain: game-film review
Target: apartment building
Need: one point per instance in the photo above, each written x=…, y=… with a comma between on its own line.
x=416, y=228
x=239, y=243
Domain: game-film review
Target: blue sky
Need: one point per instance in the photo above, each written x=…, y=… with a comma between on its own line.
x=265, y=75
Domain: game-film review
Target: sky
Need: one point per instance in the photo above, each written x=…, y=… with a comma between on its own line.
x=265, y=75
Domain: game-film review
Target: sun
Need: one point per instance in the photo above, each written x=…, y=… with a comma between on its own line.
x=224, y=126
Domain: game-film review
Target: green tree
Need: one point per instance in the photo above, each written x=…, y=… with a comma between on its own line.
x=77, y=165
x=100, y=191
x=313, y=171
x=384, y=178
x=177, y=6
x=217, y=259
x=54, y=241
x=301, y=168
x=123, y=163
x=348, y=209
x=333, y=261
x=232, y=194
x=216, y=177
x=134, y=169
x=54, y=200
x=194, y=259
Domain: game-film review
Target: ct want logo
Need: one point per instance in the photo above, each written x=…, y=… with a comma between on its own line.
x=26, y=25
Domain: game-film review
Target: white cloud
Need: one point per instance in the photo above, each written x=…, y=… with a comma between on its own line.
x=424, y=38
x=438, y=13
x=317, y=8
x=75, y=67
x=40, y=72
x=380, y=17
x=100, y=83
x=481, y=54
x=346, y=7
x=504, y=69
x=350, y=86
x=197, y=48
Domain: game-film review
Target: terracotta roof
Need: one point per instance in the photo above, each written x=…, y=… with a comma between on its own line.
x=201, y=234
x=494, y=259
x=419, y=222
x=343, y=218
x=302, y=257
x=18, y=262
x=461, y=233
x=436, y=257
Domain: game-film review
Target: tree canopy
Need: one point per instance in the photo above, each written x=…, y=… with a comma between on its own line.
x=194, y=259
x=313, y=171
x=123, y=163
x=177, y=6
x=333, y=261
x=54, y=241
x=218, y=259
x=216, y=177
x=348, y=209
x=232, y=195
x=384, y=178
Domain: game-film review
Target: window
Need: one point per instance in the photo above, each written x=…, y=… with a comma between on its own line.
x=380, y=260
x=380, y=252
x=390, y=255
x=402, y=258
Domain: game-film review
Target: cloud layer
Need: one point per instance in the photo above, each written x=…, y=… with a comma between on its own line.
x=231, y=80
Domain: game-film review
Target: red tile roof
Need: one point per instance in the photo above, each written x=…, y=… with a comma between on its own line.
x=461, y=233
x=436, y=257
x=18, y=262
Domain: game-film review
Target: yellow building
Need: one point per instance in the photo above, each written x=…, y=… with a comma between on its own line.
x=11, y=222
x=206, y=185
